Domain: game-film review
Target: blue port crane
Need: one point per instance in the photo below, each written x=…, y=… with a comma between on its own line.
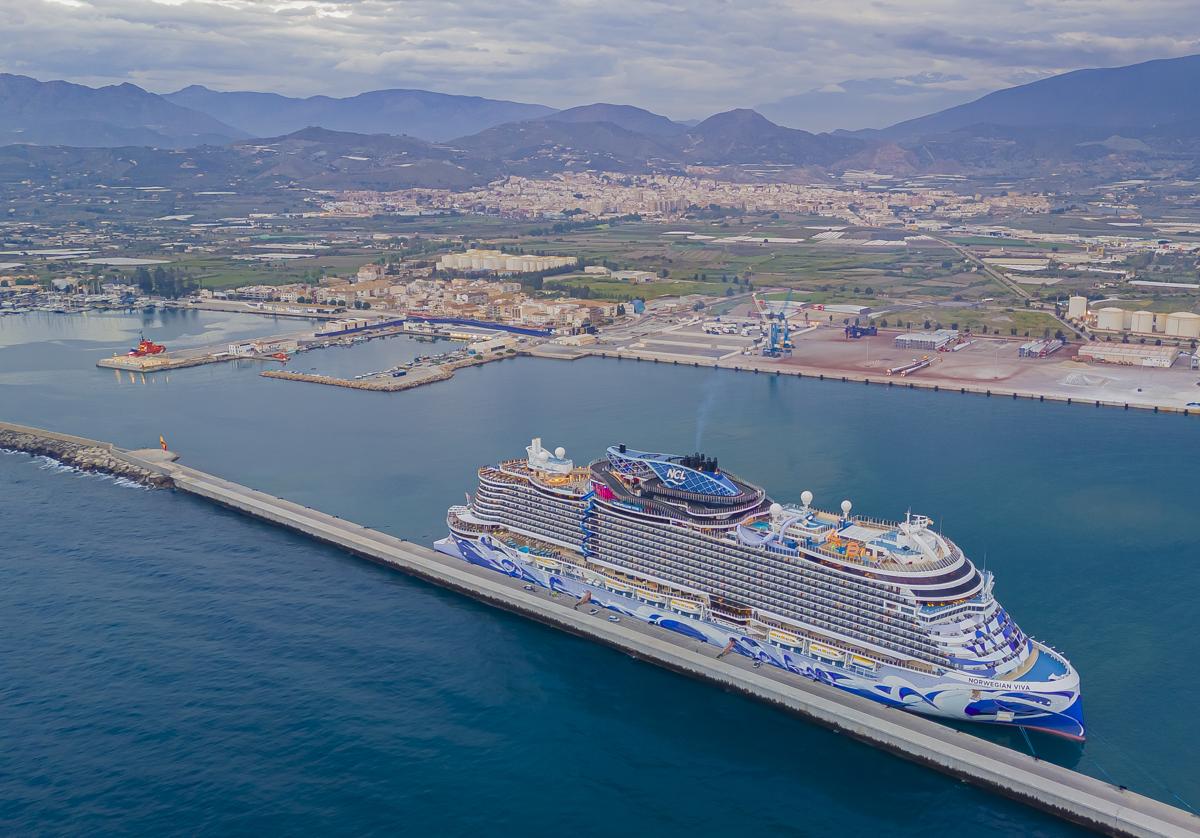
x=777, y=327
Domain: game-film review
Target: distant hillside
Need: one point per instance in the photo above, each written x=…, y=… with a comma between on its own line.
x=319, y=158
x=745, y=136
x=547, y=146
x=736, y=137
x=1127, y=100
x=61, y=113
x=623, y=116
x=313, y=158
x=417, y=113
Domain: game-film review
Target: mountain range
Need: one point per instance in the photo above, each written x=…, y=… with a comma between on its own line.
x=61, y=113
x=417, y=113
x=1138, y=118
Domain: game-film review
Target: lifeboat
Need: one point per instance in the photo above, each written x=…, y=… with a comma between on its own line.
x=651, y=597
x=865, y=663
x=546, y=563
x=686, y=606
x=784, y=638
x=828, y=653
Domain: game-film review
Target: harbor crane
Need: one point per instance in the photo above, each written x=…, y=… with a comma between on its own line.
x=776, y=326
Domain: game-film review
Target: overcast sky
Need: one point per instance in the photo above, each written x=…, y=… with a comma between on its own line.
x=684, y=58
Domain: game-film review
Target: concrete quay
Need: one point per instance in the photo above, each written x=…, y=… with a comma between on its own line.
x=380, y=384
x=755, y=364
x=1053, y=788
x=415, y=377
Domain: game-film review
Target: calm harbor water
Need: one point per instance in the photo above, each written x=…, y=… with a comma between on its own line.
x=174, y=667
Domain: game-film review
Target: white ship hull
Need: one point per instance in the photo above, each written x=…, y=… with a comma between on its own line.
x=1052, y=705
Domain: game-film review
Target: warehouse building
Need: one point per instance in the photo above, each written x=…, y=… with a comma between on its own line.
x=1130, y=354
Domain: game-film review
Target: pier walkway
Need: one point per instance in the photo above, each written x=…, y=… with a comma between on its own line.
x=1053, y=788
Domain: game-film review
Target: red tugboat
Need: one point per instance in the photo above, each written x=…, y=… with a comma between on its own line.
x=146, y=347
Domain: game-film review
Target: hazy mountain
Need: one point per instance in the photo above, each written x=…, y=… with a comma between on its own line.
x=417, y=113
x=320, y=158
x=735, y=137
x=1124, y=121
x=548, y=145
x=623, y=116
x=744, y=136
x=1119, y=100
x=312, y=158
x=61, y=113
x=867, y=103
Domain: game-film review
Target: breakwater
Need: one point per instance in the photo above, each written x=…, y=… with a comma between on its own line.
x=414, y=377
x=382, y=384
x=84, y=454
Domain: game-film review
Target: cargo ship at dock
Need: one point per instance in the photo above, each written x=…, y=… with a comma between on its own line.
x=889, y=610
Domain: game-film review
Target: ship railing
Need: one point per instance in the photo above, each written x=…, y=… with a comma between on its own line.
x=848, y=645
x=457, y=523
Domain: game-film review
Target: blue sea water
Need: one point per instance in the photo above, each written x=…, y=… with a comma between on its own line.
x=173, y=667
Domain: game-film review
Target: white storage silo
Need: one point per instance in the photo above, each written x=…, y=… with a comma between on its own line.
x=1183, y=324
x=1142, y=321
x=1110, y=319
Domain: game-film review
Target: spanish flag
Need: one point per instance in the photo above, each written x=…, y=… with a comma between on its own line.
x=162, y=442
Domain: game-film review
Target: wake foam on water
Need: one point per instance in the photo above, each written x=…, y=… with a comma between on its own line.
x=50, y=464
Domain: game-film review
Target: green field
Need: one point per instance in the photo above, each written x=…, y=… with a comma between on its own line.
x=997, y=320
x=221, y=272
x=610, y=289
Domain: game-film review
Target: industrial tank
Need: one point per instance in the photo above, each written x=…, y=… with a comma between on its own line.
x=1142, y=321
x=1110, y=319
x=1183, y=324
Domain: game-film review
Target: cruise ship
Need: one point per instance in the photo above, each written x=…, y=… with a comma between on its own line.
x=889, y=610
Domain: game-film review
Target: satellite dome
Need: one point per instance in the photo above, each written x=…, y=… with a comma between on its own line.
x=846, y=507
x=806, y=497
x=776, y=510
x=560, y=452
x=543, y=454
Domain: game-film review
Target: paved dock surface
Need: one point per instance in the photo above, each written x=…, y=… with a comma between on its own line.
x=1053, y=788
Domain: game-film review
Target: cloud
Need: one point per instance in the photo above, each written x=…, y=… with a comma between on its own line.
x=685, y=59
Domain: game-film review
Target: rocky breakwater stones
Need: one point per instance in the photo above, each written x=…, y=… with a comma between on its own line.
x=96, y=457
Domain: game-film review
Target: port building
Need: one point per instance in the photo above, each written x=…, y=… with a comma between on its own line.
x=1130, y=354
x=926, y=340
